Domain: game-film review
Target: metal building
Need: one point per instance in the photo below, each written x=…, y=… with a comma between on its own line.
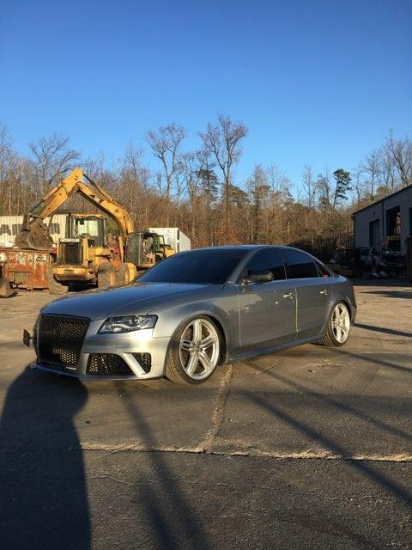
x=386, y=223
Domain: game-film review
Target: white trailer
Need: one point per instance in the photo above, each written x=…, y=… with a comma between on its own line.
x=174, y=237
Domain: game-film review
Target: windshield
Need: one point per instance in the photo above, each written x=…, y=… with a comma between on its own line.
x=202, y=266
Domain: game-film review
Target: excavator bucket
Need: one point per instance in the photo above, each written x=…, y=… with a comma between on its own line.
x=35, y=236
x=5, y=289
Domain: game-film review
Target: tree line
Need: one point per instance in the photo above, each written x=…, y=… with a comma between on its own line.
x=198, y=191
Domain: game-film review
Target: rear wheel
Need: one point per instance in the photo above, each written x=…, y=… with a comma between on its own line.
x=194, y=351
x=338, y=326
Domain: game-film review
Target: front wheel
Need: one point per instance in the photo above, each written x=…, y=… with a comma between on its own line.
x=338, y=326
x=194, y=351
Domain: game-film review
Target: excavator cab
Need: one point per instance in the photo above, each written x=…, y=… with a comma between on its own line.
x=83, y=233
x=92, y=226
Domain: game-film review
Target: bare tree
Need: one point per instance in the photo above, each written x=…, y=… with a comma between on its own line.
x=52, y=157
x=7, y=172
x=279, y=199
x=259, y=189
x=136, y=190
x=400, y=152
x=384, y=170
x=222, y=142
x=372, y=168
x=6, y=151
x=309, y=186
x=165, y=144
x=15, y=195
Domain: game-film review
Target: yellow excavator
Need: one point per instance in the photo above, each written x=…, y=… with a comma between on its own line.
x=85, y=254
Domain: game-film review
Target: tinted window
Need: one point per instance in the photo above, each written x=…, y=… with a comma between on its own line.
x=299, y=265
x=268, y=259
x=323, y=270
x=202, y=266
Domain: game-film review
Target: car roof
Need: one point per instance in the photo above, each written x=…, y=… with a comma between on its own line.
x=239, y=246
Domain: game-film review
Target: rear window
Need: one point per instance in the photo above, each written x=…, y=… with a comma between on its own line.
x=299, y=265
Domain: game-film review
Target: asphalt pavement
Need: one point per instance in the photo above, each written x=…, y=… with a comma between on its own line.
x=305, y=448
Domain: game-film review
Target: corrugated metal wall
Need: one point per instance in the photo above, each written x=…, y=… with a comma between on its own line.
x=10, y=226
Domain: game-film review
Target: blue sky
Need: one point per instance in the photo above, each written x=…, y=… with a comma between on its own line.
x=317, y=82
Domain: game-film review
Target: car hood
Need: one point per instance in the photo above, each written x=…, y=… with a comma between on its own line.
x=137, y=298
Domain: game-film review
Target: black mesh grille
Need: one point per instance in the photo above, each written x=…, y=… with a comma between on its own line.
x=145, y=360
x=107, y=364
x=61, y=339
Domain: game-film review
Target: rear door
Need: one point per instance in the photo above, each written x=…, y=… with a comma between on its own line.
x=313, y=291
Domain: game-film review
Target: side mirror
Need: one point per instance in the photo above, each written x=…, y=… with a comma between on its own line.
x=263, y=276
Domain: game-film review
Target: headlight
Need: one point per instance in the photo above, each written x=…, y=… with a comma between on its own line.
x=128, y=323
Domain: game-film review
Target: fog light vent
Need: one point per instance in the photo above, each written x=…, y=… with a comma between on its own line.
x=145, y=360
x=106, y=364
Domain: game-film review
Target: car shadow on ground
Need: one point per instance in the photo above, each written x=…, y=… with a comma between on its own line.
x=43, y=495
x=368, y=468
x=393, y=293
x=171, y=520
x=384, y=330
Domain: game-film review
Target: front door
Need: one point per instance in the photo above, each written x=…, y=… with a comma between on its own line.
x=267, y=310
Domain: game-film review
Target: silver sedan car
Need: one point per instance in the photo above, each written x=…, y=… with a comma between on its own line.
x=193, y=312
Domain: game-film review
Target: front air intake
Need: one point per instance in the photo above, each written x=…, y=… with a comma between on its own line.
x=107, y=364
x=61, y=339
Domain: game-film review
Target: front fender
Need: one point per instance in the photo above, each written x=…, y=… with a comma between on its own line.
x=225, y=315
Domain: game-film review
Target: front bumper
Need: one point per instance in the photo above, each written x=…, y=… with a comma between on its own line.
x=128, y=356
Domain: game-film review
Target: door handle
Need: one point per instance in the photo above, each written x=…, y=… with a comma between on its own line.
x=324, y=291
x=288, y=296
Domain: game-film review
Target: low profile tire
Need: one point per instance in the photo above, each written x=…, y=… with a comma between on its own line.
x=338, y=326
x=194, y=351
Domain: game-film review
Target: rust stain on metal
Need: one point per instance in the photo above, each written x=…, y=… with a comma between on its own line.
x=27, y=268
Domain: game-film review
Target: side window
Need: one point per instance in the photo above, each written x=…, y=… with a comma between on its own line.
x=268, y=259
x=323, y=271
x=299, y=265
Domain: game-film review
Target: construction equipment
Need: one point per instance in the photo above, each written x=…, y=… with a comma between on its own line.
x=147, y=248
x=5, y=289
x=85, y=255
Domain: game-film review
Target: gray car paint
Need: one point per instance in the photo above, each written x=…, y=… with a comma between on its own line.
x=254, y=318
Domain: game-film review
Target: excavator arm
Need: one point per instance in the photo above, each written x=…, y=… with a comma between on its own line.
x=35, y=234
x=100, y=198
